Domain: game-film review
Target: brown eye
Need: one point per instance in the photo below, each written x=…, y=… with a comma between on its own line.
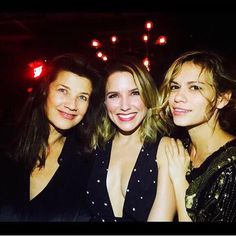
x=84, y=98
x=62, y=90
x=174, y=87
x=135, y=93
x=114, y=95
x=195, y=87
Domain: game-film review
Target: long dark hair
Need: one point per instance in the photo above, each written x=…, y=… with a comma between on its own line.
x=33, y=125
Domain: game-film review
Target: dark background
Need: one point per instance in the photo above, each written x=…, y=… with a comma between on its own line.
x=31, y=30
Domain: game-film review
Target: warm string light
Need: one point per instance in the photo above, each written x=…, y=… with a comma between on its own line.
x=96, y=43
x=162, y=40
x=148, y=27
x=146, y=37
x=146, y=62
x=114, y=39
x=37, y=68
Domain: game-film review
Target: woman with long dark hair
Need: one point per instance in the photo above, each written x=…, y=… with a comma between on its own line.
x=52, y=142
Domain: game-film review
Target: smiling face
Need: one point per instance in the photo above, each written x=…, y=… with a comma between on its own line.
x=68, y=100
x=124, y=104
x=192, y=97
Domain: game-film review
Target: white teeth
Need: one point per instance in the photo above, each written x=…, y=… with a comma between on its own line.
x=126, y=116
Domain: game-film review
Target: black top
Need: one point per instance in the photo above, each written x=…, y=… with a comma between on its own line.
x=211, y=196
x=141, y=190
x=63, y=199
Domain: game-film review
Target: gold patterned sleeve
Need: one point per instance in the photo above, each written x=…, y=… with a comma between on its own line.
x=213, y=200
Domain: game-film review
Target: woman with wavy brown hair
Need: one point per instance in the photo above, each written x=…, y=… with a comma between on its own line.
x=199, y=95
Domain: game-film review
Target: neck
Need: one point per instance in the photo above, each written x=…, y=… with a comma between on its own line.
x=55, y=137
x=128, y=138
x=205, y=141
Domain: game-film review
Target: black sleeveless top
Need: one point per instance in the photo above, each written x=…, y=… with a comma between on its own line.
x=62, y=200
x=141, y=190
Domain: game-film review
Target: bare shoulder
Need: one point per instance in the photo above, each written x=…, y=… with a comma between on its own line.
x=161, y=150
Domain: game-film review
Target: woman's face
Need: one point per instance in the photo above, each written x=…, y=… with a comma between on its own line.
x=191, y=97
x=68, y=100
x=124, y=104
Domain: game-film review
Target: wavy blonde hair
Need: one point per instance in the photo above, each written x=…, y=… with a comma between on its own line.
x=214, y=68
x=151, y=126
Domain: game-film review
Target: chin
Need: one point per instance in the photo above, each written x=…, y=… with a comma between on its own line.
x=64, y=126
x=128, y=129
x=181, y=123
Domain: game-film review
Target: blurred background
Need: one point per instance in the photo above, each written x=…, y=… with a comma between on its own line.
x=33, y=32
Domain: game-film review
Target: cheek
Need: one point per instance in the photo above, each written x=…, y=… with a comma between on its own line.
x=170, y=99
x=83, y=108
x=55, y=99
x=137, y=102
x=201, y=103
x=49, y=104
x=111, y=106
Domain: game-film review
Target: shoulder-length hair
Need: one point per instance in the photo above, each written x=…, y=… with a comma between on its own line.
x=219, y=72
x=150, y=126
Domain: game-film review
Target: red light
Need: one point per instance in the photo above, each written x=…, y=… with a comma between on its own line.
x=104, y=58
x=95, y=43
x=114, y=39
x=37, y=69
x=145, y=38
x=146, y=62
x=29, y=90
x=99, y=54
x=162, y=40
x=148, y=25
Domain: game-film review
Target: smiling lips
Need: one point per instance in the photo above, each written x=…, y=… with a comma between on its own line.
x=126, y=117
x=67, y=115
x=179, y=111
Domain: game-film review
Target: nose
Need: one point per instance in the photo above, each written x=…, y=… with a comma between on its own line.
x=125, y=103
x=71, y=104
x=180, y=96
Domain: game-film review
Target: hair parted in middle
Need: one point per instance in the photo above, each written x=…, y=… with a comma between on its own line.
x=31, y=141
x=151, y=126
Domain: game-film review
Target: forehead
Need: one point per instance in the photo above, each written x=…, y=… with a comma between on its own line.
x=190, y=72
x=73, y=81
x=120, y=80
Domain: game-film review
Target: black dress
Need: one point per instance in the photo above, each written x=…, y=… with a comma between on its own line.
x=140, y=193
x=62, y=200
x=211, y=196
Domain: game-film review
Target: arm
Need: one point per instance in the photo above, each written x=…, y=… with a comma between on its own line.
x=164, y=206
x=178, y=162
x=223, y=207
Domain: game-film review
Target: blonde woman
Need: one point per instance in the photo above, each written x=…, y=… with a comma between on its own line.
x=129, y=181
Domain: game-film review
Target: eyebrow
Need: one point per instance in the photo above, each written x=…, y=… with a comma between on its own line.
x=111, y=92
x=190, y=82
x=65, y=86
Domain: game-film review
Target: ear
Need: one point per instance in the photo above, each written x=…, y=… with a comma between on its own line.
x=223, y=99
